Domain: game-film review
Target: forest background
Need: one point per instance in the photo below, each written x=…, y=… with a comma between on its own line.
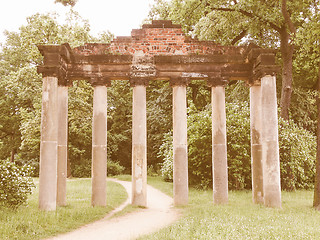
x=290, y=27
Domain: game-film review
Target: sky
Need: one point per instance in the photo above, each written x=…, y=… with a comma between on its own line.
x=117, y=16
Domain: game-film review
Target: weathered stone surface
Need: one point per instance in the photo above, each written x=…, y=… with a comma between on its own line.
x=219, y=146
x=179, y=81
x=256, y=144
x=139, y=146
x=99, y=146
x=180, y=152
x=62, y=146
x=158, y=51
x=270, y=145
x=48, y=145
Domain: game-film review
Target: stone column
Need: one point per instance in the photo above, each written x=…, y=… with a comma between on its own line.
x=270, y=145
x=180, y=151
x=48, y=144
x=62, y=145
x=99, y=146
x=219, y=144
x=256, y=143
x=139, y=143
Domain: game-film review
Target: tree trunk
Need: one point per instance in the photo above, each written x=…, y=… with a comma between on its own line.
x=316, y=198
x=287, y=50
x=13, y=152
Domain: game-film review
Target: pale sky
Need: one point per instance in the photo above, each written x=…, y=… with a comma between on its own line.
x=117, y=16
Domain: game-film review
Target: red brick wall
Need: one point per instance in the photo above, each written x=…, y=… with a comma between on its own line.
x=158, y=38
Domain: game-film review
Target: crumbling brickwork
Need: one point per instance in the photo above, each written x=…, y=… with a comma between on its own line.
x=159, y=38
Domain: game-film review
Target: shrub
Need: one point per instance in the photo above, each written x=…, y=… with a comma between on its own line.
x=15, y=184
x=81, y=168
x=297, y=150
x=238, y=145
x=166, y=153
x=114, y=168
x=297, y=156
x=199, y=142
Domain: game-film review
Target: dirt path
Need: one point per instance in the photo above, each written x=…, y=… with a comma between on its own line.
x=159, y=214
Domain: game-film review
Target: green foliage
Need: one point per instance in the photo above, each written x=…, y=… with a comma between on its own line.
x=80, y=128
x=114, y=168
x=120, y=123
x=297, y=156
x=71, y=3
x=259, y=21
x=307, y=59
x=238, y=145
x=159, y=118
x=297, y=165
x=304, y=110
x=15, y=184
x=21, y=86
x=166, y=153
x=199, y=141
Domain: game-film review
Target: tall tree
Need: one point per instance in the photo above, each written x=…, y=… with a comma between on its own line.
x=67, y=2
x=268, y=23
x=316, y=196
x=20, y=96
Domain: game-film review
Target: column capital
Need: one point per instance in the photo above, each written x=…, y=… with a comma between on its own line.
x=54, y=71
x=256, y=82
x=100, y=81
x=179, y=81
x=262, y=71
x=263, y=64
x=55, y=62
x=217, y=81
x=139, y=81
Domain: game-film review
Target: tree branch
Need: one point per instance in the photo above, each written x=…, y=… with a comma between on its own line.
x=250, y=15
x=239, y=37
x=286, y=17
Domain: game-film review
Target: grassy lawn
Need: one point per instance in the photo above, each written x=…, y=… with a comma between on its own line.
x=30, y=223
x=240, y=219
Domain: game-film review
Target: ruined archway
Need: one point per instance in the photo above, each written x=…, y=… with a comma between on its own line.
x=159, y=51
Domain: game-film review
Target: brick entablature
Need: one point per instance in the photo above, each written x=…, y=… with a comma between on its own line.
x=159, y=38
x=157, y=51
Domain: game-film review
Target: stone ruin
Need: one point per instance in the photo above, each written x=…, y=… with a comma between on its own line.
x=158, y=51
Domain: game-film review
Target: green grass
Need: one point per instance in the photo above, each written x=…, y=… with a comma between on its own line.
x=240, y=218
x=30, y=223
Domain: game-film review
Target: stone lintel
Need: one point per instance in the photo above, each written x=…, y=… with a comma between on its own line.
x=199, y=59
x=179, y=81
x=139, y=81
x=100, y=81
x=103, y=59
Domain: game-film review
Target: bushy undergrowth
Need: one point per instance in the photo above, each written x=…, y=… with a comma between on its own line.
x=83, y=170
x=15, y=184
x=297, y=156
x=297, y=150
x=114, y=168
